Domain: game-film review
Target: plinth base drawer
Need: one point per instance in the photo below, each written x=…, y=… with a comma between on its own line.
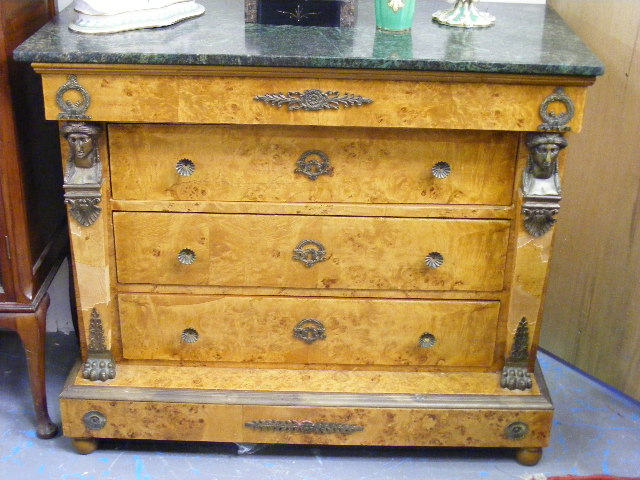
x=452, y=427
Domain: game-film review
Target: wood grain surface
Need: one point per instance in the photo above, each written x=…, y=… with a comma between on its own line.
x=261, y=329
x=258, y=164
x=361, y=253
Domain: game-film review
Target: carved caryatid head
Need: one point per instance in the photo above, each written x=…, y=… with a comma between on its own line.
x=543, y=153
x=82, y=140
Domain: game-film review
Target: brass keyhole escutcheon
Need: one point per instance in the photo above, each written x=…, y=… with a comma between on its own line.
x=310, y=330
x=309, y=252
x=314, y=167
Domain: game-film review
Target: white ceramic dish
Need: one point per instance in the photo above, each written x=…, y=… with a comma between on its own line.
x=132, y=20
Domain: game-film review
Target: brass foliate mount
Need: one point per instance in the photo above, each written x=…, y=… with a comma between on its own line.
x=313, y=100
x=304, y=426
x=100, y=365
x=515, y=374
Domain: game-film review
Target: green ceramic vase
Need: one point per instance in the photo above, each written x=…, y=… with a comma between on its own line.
x=395, y=15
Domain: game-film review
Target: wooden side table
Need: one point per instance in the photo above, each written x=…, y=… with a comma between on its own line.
x=33, y=237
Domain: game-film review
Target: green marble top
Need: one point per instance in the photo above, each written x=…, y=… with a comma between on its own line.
x=526, y=39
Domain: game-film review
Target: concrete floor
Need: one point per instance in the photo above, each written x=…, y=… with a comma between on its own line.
x=596, y=431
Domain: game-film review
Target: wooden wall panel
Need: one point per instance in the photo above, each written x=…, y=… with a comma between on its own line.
x=592, y=314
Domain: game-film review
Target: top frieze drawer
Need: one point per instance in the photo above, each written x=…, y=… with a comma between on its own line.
x=351, y=99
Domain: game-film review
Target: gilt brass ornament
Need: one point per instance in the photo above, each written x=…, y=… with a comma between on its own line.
x=94, y=420
x=73, y=110
x=515, y=374
x=310, y=330
x=100, y=364
x=310, y=252
x=313, y=100
x=304, y=426
x=517, y=431
x=83, y=175
x=552, y=121
x=541, y=182
x=313, y=163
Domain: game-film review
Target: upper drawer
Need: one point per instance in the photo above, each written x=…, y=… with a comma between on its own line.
x=347, y=253
x=307, y=330
x=311, y=164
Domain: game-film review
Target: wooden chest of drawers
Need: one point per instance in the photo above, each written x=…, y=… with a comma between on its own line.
x=310, y=255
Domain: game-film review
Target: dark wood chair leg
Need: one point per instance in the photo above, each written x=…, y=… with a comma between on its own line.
x=32, y=330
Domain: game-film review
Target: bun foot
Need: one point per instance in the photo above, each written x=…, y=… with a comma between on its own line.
x=529, y=456
x=84, y=446
x=46, y=429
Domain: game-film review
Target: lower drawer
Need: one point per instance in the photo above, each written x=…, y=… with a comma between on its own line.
x=308, y=330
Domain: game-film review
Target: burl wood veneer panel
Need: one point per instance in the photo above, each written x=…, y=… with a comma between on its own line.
x=258, y=164
x=381, y=426
x=261, y=329
x=361, y=253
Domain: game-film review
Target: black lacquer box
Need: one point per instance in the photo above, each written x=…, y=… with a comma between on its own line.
x=316, y=13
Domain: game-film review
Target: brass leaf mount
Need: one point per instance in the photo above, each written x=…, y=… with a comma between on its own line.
x=313, y=100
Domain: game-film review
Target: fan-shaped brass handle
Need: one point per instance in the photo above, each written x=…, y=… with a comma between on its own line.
x=441, y=170
x=189, y=335
x=434, y=260
x=186, y=256
x=427, y=340
x=185, y=167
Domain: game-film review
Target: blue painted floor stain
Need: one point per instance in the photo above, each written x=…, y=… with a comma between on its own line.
x=595, y=431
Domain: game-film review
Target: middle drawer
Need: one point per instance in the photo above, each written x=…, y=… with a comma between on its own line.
x=297, y=251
